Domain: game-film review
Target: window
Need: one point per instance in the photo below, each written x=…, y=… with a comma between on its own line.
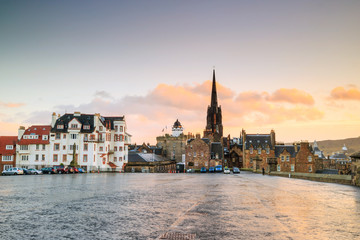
x=310, y=168
x=24, y=147
x=196, y=164
x=73, y=136
x=74, y=126
x=194, y=154
x=56, y=146
x=85, y=158
x=7, y=158
x=85, y=147
x=309, y=158
x=64, y=136
x=100, y=128
x=85, y=137
x=45, y=137
x=9, y=147
x=115, y=149
x=101, y=149
x=37, y=157
x=267, y=150
x=71, y=147
x=64, y=158
x=43, y=147
x=87, y=127
x=115, y=159
x=292, y=167
x=288, y=158
x=121, y=138
x=278, y=168
x=6, y=167
x=116, y=128
x=120, y=149
x=217, y=155
x=92, y=137
x=251, y=150
x=60, y=126
x=189, y=154
x=121, y=128
x=25, y=157
x=64, y=147
x=259, y=150
x=43, y=157
x=202, y=154
x=37, y=146
x=120, y=159
x=55, y=158
x=57, y=136
x=282, y=158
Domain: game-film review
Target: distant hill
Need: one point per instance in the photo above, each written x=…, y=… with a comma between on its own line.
x=331, y=146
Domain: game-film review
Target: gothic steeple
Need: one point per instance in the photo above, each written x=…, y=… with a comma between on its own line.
x=214, y=102
x=214, y=125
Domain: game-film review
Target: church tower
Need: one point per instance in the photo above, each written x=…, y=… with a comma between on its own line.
x=214, y=125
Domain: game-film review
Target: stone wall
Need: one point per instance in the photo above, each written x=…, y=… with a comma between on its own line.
x=197, y=154
x=173, y=147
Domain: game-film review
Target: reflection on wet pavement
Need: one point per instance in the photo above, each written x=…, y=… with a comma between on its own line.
x=154, y=206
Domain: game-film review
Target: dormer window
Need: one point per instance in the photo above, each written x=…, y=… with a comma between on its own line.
x=100, y=128
x=259, y=150
x=9, y=147
x=87, y=127
x=251, y=150
x=74, y=126
x=45, y=137
x=60, y=126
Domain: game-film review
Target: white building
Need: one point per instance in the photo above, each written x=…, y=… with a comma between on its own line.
x=32, y=149
x=98, y=143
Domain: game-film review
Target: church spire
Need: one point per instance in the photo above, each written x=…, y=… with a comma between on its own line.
x=214, y=102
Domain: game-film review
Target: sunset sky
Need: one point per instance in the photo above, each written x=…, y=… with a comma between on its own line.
x=291, y=66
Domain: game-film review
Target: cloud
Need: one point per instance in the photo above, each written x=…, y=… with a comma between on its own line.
x=293, y=96
x=11, y=105
x=147, y=115
x=340, y=93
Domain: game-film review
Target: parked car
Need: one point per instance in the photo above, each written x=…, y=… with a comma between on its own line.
x=13, y=171
x=49, y=170
x=71, y=170
x=212, y=169
x=236, y=170
x=61, y=169
x=35, y=171
x=26, y=171
x=226, y=170
x=189, y=170
x=76, y=170
x=218, y=168
x=203, y=170
x=81, y=170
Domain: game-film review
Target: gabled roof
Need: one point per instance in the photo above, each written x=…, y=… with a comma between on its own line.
x=35, y=130
x=109, y=121
x=144, y=157
x=339, y=156
x=8, y=140
x=258, y=140
x=84, y=119
x=279, y=149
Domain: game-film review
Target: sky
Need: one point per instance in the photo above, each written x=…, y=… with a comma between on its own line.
x=291, y=66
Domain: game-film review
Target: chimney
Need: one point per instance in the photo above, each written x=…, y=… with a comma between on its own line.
x=21, y=132
x=198, y=136
x=53, y=119
x=272, y=137
x=77, y=114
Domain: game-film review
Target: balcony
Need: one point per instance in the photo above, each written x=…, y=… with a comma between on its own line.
x=94, y=140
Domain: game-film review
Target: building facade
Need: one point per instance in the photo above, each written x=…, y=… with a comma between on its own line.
x=198, y=153
x=7, y=152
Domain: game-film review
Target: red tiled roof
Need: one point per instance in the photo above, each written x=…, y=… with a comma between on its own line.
x=8, y=140
x=39, y=130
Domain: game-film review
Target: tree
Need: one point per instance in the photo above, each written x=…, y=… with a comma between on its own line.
x=73, y=163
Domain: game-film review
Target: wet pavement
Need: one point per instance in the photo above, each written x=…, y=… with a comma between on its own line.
x=176, y=206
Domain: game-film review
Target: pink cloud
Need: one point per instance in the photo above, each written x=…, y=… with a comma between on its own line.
x=341, y=93
x=11, y=105
x=293, y=96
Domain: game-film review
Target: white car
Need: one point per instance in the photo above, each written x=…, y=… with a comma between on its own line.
x=13, y=171
x=226, y=170
x=35, y=171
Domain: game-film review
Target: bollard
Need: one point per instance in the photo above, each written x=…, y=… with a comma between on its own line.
x=289, y=175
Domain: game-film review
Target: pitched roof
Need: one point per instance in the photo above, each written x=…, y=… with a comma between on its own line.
x=281, y=148
x=8, y=140
x=34, y=135
x=355, y=155
x=258, y=140
x=144, y=157
x=84, y=119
